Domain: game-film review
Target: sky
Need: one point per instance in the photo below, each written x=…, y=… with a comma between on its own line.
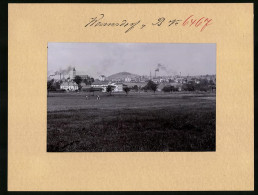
x=96, y=59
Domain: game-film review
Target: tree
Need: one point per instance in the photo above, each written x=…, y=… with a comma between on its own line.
x=57, y=85
x=50, y=85
x=204, y=82
x=77, y=79
x=213, y=88
x=176, y=89
x=110, y=88
x=154, y=88
x=144, y=88
x=172, y=88
x=126, y=90
x=168, y=88
x=203, y=85
x=88, y=80
x=151, y=86
x=211, y=82
x=188, y=87
x=135, y=88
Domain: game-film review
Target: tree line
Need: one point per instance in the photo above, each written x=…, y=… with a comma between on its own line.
x=202, y=85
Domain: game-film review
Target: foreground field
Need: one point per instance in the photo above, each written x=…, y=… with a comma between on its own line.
x=137, y=122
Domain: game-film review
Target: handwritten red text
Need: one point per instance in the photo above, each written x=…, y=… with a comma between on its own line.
x=202, y=22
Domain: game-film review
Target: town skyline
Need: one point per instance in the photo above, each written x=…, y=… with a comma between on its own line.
x=152, y=75
x=136, y=58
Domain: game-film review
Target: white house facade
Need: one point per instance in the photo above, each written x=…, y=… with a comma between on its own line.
x=102, y=78
x=69, y=86
x=118, y=87
x=100, y=84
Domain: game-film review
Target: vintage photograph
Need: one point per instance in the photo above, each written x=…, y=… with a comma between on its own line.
x=131, y=97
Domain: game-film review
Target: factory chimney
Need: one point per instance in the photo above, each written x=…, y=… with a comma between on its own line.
x=156, y=70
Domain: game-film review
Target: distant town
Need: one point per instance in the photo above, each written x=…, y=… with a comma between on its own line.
x=131, y=97
x=68, y=81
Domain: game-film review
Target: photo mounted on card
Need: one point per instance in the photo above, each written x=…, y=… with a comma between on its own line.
x=131, y=97
x=125, y=97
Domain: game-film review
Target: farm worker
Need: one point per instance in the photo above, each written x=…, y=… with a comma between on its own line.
x=98, y=98
x=86, y=97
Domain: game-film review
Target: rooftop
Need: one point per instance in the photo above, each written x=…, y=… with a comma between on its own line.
x=71, y=83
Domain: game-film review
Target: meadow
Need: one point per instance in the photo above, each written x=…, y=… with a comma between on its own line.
x=137, y=122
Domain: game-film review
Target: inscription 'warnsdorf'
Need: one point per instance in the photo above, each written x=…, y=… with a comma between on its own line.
x=192, y=22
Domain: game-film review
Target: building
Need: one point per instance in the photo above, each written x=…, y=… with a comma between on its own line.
x=156, y=80
x=128, y=79
x=74, y=74
x=102, y=78
x=118, y=87
x=69, y=86
x=100, y=84
x=138, y=84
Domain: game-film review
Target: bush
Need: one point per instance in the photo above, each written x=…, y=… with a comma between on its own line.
x=169, y=88
x=135, y=88
x=188, y=87
x=126, y=90
x=151, y=86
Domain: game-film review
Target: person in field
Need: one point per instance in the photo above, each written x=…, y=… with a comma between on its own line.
x=87, y=97
x=98, y=98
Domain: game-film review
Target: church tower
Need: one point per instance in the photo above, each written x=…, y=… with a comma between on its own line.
x=74, y=73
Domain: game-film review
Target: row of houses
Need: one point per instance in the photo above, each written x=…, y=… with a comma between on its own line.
x=69, y=86
x=118, y=87
x=73, y=86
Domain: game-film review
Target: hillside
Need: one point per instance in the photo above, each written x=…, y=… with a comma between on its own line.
x=122, y=75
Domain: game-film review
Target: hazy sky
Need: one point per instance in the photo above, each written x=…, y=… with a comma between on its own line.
x=95, y=59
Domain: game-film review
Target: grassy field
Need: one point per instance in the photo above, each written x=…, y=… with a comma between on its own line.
x=137, y=122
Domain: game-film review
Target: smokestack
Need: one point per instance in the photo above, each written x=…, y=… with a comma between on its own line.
x=156, y=70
